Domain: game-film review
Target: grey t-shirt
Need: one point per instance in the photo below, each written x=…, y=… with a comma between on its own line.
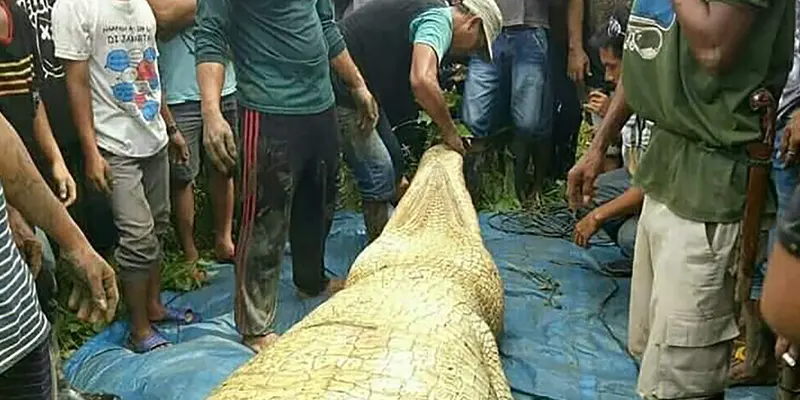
x=532, y=13
x=790, y=98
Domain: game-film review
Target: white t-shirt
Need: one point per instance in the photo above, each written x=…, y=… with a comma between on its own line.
x=118, y=38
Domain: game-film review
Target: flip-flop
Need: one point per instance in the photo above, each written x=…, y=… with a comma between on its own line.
x=181, y=316
x=155, y=341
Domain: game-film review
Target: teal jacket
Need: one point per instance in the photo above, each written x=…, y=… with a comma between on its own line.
x=280, y=49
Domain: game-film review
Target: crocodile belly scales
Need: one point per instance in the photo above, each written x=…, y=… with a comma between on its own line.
x=418, y=318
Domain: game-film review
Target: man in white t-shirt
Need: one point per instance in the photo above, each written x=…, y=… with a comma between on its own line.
x=109, y=52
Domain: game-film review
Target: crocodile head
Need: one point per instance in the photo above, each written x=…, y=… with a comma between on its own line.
x=437, y=200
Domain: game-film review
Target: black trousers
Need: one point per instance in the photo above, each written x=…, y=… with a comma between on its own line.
x=30, y=378
x=288, y=186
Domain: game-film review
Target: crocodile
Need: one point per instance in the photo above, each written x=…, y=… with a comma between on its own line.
x=419, y=316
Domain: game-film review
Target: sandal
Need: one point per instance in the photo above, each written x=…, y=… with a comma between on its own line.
x=155, y=341
x=181, y=316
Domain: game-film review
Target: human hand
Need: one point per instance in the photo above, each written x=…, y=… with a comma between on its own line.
x=585, y=229
x=367, y=109
x=99, y=173
x=26, y=241
x=597, y=103
x=219, y=143
x=94, y=291
x=580, y=181
x=178, y=149
x=65, y=186
x=454, y=141
x=578, y=65
x=790, y=142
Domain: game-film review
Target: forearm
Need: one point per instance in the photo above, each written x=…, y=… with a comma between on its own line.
x=617, y=114
x=346, y=69
x=80, y=95
x=43, y=135
x=27, y=191
x=430, y=96
x=169, y=120
x=210, y=76
x=629, y=203
x=779, y=302
x=575, y=25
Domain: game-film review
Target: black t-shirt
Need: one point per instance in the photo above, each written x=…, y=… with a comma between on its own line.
x=53, y=86
x=19, y=74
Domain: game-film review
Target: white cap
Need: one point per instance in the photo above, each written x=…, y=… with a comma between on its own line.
x=491, y=19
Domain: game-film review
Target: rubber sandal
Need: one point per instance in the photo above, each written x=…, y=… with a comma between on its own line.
x=181, y=316
x=155, y=341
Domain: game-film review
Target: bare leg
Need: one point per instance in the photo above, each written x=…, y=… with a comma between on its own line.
x=183, y=204
x=136, y=297
x=155, y=310
x=222, y=200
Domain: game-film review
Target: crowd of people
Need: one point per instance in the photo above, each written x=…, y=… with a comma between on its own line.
x=111, y=110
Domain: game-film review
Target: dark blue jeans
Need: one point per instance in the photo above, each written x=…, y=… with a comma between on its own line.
x=785, y=178
x=521, y=65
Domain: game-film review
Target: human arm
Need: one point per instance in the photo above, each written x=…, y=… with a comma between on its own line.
x=172, y=16
x=43, y=135
x=211, y=47
x=95, y=294
x=715, y=29
x=580, y=181
x=780, y=304
x=425, y=85
x=367, y=106
x=629, y=203
x=25, y=239
x=178, y=149
x=578, y=61
x=73, y=42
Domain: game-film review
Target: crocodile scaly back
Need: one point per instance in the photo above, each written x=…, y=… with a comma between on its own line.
x=418, y=318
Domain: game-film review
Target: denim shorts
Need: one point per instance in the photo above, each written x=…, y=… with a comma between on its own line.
x=368, y=158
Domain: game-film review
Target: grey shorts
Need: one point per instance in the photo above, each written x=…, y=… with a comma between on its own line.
x=189, y=118
x=140, y=204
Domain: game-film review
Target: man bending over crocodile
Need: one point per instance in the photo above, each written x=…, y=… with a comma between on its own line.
x=283, y=52
x=398, y=47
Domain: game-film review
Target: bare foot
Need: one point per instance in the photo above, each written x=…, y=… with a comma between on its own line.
x=259, y=343
x=198, y=274
x=334, y=286
x=224, y=249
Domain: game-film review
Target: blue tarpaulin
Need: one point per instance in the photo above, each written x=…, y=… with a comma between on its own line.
x=565, y=326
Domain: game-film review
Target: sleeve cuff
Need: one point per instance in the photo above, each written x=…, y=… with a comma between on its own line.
x=210, y=58
x=71, y=55
x=336, y=48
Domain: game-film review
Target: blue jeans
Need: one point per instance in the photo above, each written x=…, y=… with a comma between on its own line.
x=521, y=64
x=609, y=186
x=368, y=158
x=785, y=179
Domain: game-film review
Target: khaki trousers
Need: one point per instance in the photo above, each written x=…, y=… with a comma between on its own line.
x=682, y=309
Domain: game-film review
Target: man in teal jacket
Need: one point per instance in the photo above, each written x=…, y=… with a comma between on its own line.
x=282, y=52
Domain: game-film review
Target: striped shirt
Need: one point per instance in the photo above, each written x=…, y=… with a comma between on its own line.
x=23, y=326
x=19, y=69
